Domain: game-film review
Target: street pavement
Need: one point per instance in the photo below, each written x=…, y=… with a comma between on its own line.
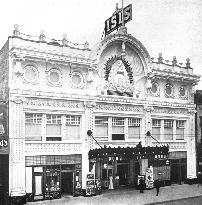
x=131, y=196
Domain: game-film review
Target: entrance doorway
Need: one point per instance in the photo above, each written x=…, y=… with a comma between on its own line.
x=67, y=183
x=122, y=171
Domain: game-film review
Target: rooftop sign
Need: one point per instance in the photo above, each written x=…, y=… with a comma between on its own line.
x=115, y=21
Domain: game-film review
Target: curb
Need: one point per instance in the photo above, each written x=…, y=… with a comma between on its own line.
x=168, y=201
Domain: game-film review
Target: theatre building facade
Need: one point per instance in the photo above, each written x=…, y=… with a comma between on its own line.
x=57, y=91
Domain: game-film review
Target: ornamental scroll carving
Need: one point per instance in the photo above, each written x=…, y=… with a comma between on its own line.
x=54, y=103
x=115, y=107
x=170, y=111
x=17, y=99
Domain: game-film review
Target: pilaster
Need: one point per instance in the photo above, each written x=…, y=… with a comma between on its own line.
x=88, y=143
x=148, y=125
x=17, y=147
x=191, y=147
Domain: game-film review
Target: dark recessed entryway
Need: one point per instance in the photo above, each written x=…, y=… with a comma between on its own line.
x=67, y=183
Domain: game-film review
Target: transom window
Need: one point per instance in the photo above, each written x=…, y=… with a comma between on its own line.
x=73, y=120
x=53, y=119
x=117, y=121
x=168, y=123
x=156, y=123
x=33, y=118
x=180, y=123
x=133, y=122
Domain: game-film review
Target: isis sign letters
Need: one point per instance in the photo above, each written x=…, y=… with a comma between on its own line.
x=115, y=21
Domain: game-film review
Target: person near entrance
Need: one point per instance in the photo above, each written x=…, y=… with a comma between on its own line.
x=117, y=181
x=111, y=184
x=141, y=185
x=157, y=185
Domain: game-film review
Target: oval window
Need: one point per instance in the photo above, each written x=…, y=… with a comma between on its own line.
x=182, y=91
x=76, y=79
x=154, y=88
x=30, y=73
x=54, y=76
x=168, y=89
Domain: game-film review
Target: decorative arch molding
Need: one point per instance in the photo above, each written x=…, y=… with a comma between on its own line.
x=112, y=60
x=131, y=41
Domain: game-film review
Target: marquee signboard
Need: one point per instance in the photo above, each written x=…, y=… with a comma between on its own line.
x=115, y=21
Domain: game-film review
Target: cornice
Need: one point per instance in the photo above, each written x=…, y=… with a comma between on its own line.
x=168, y=74
x=52, y=56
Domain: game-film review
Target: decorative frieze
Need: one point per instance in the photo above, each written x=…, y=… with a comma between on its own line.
x=47, y=148
x=54, y=103
x=170, y=111
x=117, y=107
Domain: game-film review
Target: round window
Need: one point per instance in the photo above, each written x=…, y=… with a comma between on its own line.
x=154, y=88
x=182, y=91
x=54, y=76
x=76, y=79
x=30, y=73
x=168, y=89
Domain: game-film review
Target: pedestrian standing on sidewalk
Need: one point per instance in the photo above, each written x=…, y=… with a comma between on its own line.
x=111, y=183
x=141, y=185
x=157, y=185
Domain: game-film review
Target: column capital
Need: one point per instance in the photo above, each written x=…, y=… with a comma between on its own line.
x=148, y=108
x=89, y=104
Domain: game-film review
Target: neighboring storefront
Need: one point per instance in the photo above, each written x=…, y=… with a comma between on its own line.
x=49, y=177
x=4, y=153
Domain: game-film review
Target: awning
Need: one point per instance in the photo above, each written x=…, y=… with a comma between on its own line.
x=130, y=152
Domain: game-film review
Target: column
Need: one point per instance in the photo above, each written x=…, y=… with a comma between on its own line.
x=162, y=131
x=148, y=125
x=88, y=142
x=174, y=130
x=43, y=127
x=17, y=147
x=191, y=148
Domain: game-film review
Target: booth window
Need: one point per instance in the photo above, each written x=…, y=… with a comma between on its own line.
x=33, y=126
x=168, y=129
x=156, y=126
x=53, y=128
x=101, y=127
x=73, y=127
x=133, y=128
x=118, y=128
x=180, y=125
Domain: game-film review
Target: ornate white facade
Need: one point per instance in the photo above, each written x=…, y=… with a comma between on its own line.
x=116, y=79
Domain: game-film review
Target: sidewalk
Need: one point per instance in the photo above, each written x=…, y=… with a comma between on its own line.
x=129, y=196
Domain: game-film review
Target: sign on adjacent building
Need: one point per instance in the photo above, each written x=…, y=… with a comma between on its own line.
x=4, y=143
x=115, y=21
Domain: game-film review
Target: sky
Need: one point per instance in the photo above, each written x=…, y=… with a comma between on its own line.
x=170, y=27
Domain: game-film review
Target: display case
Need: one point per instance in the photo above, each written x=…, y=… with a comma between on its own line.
x=78, y=184
x=98, y=186
x=90, y=184
x=52, y=184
